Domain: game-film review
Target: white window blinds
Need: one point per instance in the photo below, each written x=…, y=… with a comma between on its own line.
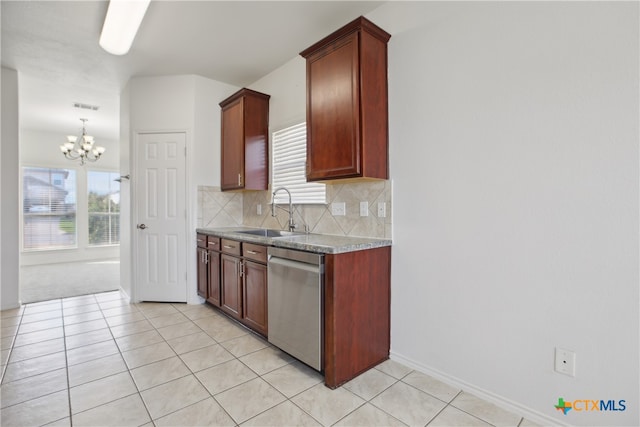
x=49, y=208
x=103, y=203
x=288, y=167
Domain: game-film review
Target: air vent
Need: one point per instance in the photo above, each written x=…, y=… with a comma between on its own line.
x=85, y=106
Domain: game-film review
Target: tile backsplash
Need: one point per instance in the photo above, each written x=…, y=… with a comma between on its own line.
x=230, y=209
x=219, y=209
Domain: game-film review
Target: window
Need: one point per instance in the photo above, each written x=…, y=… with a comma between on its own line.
x=49, y=208
x=103, y=205
x=289, y=164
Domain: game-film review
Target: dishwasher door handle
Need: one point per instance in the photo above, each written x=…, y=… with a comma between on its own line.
x=318, y=269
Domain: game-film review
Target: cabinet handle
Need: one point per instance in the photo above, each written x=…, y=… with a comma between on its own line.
x=212, y=243
x=240, y=269
x=228, y=247
x=206, y=257
x=252, y=252
x=239, y=179
x=200, y=240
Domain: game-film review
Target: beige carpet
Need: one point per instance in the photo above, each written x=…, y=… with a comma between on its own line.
x=52, y=281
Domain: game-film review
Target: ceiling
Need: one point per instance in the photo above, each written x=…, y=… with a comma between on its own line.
x=54, y=47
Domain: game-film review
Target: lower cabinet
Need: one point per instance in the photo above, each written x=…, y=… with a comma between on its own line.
x=213, y=270
x=357, y=313
x=243, y=283
x=231, y=285
x=202, y=265
x=208, y=271
x=356, y=308
x=254, y=286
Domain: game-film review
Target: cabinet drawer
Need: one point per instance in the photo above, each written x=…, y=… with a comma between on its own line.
x=202, y=240
x=255, y=252
x=213, y=243
x=230, y=247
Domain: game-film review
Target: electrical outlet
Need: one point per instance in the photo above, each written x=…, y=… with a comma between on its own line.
x=382, y=209
x=259, y=209
x=338, y=209
x=364, y=208
x=565, y=362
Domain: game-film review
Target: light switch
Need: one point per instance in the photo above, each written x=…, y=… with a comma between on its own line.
x=338, y=209
x=364, y=208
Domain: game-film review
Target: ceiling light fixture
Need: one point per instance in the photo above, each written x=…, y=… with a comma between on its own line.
x=82, y=147
x=121, y=25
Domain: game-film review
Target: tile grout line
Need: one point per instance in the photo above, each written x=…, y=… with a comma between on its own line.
x=11, y=351
x=198, y=379
x=174, y=351
x=13, y=341
x=66, y=363
x=139, y=393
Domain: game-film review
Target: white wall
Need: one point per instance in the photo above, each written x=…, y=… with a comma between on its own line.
x=287, y=87
x=206, y=156
x=514, y=155
x=186, y=103
x=126, y=267
x=40, y=148
x=9, y=211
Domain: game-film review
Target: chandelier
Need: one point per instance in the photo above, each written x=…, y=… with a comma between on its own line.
x=82, y=147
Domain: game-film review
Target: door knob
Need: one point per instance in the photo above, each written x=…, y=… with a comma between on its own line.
x=141, y=226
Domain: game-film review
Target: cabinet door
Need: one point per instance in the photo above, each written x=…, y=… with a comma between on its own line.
x=333, y=144
x=202, y=272
x=213, y=289
x=255, y=296
x=233, y=145
x=231, y=288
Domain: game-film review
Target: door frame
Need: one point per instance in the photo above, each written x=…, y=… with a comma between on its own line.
x=189, y=224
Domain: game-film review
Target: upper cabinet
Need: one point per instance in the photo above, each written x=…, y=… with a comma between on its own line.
x=347, y=119
x=245, y=141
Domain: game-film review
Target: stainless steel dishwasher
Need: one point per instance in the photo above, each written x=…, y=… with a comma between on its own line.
x=295, y=284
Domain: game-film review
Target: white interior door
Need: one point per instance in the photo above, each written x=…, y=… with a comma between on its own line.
x=161, y=217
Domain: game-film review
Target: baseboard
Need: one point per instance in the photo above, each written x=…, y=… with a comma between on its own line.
x=126, y=295
x=497, y=400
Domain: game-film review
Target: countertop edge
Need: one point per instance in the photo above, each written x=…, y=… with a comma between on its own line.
x=318, y=243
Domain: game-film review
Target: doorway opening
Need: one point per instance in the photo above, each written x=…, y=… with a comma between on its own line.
x=70, y=231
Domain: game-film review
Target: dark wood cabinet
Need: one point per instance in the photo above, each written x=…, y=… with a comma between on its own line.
x=230, y=278
x=202, y=272
x=245, y=141
x=243, y=283
x=357, y=313
x=347, y=118
x=254, y=282
x=255, y=296
x=213, y=270
x=208, y=272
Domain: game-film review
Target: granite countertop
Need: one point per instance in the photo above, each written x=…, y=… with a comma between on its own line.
x=318, y=243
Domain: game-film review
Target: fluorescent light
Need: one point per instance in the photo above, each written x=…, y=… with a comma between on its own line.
x=121, y=25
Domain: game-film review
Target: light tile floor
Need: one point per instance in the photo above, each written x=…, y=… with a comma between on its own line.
x=98, y=360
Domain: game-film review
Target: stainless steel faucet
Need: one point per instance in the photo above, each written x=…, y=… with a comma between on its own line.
x=292, y=225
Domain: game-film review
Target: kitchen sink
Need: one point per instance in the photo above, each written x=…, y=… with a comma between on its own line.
x=269, y=232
